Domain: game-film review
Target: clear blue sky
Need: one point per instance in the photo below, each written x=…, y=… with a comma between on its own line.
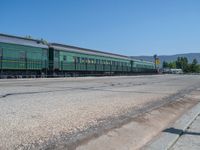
x=129, y=27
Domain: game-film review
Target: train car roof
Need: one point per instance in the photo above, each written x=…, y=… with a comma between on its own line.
x=86, y=51
x=4, y=38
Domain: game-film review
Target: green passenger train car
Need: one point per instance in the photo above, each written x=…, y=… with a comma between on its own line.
x=70, y=58
x=22, y=56
x=143, y=66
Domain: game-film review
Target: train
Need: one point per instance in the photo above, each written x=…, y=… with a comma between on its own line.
x=27, y=57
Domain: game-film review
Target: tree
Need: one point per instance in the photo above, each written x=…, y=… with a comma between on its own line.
x=165, y=64
x=194, y=66
x=182, y=63
x=195, y=62
x=172, y=65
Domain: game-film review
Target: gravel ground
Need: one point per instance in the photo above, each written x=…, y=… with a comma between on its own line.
x=37, y=112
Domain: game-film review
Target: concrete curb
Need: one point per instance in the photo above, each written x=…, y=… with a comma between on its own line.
x=167, y=139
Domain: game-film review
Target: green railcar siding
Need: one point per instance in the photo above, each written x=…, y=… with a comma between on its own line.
x=67, y=61
x=21, y=57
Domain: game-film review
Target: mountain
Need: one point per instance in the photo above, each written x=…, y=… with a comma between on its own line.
x=170, y=58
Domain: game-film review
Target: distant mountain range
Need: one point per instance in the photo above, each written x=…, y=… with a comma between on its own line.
x=170, y=58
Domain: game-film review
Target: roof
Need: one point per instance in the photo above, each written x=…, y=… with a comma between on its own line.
x=21, y=41
x=86, y=51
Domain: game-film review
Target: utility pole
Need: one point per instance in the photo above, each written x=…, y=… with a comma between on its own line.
x=157, y=62
x=155, y=57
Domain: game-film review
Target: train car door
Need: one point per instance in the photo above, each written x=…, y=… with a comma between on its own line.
x=56, y=59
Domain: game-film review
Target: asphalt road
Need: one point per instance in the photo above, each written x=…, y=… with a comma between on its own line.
x=47, y=113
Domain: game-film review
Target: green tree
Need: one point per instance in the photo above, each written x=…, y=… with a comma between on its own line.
x=165, y=64
x=172, y=65
x=182, y=63
x=194, y=67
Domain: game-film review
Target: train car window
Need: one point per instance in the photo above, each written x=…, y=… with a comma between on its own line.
x=64, y=58
x=74, y=59
x=56, y=54
x=44, y=53
x=78, y=59
x=86, y=60
x=1, y=52
x=92, y=61
x=82, y=60
x=22, y=55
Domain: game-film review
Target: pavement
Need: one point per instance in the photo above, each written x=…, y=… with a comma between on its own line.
x=190, y=138
x=66, y=112
x=183, y=134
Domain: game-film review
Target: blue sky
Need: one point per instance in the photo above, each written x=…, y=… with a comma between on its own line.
x=129, y=27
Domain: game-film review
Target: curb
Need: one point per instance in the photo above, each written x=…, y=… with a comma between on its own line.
x=167, y=139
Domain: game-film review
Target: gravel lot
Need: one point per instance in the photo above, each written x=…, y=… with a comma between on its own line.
x=38, y=113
